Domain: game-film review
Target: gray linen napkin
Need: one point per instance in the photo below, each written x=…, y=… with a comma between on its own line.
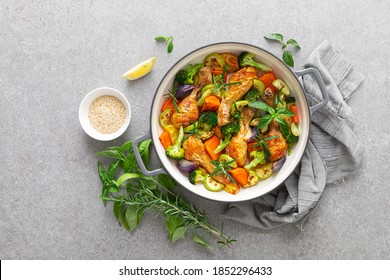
x=333, y=151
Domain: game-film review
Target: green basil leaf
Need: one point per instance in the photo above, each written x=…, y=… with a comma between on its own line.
x=161, y=38
x=288, y=58
x=179, y=233
x=143, y=149
x=264, y=121
x=102, y=173
x=261, y=105
x=200, y=241
x=127, y=147
x=172, y=224
x=112, y=168
x=126, y=176
x=285, y=112
x=133, y=216
x=275, y=37
x=294, y=43
x=281, y=121
x=166, y=181
x=118, y=211
x=112, y=153
x=148, y=183
x=170, y=47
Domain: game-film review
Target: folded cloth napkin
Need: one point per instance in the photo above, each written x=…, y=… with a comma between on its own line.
x=333, y=151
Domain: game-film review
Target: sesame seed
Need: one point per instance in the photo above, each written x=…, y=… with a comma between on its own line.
x=107, y=114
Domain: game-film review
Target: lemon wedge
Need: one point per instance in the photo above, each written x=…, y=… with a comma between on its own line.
x=140, y=69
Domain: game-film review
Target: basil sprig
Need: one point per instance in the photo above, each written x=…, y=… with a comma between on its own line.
x=287, y=55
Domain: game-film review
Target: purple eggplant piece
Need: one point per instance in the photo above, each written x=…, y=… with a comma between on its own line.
x=186, y=166
x=183, y=91
x=277, y=165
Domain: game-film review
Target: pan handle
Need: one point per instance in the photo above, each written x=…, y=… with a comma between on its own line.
x=139, y=159
x=317, y=75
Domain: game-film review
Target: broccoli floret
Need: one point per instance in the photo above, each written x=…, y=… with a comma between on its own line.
x=196, y=176
x=248, y=59
x=228, y=130
x=290, y=100
x=176, y=151
x=258, y=158
x=208, y=120
x=186, y=76
x=252, y=95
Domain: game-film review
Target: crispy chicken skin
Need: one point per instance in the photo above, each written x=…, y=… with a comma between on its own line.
x=188, y=111
x=237, y=147
x=245, y=78
x=194, y=151
x=277, y=146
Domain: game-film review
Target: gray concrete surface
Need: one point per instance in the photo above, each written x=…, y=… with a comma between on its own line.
x=53, y=52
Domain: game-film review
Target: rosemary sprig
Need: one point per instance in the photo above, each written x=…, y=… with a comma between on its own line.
x=172, y=95
x=219, y=84
x=132, y=193
x=193, y=130
x=262, y=143
x=222, y=168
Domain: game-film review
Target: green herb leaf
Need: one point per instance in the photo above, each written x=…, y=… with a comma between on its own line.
x=288, y=58
x=176, y=228
x=275, y=37
x=143, y=149
x=126, y=176
x=168, y=40
x=170, y=47
x=112, y=152
x=118, y=211
x=112, y=168
x=264, y=121
x=133, y=216
x=160, y=38
x=166, y=181
x=294, y=43
x=285, y=112
x=200, y=241
x=102, y=173
x=261, y=105
x=280, y=120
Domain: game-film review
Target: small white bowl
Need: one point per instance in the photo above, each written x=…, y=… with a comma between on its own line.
x=84, y=109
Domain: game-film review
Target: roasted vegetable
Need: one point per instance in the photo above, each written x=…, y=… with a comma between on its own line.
x=238, y=106
x=248, y=59
x=258, y=158
x=290, y=100
x=214, y=60
x=264, y=171
x=228, y=130
x=176, y=151
x=281, y=86
x=183, y=91
x=186, y=166
x=172, y=131
x=196, y=176
x=165, y=117
x=208, y=120
x=211, y=184
x=252, y=95
x=258, y=85
x=227, y=158
x=253, y=179
x=186, y=76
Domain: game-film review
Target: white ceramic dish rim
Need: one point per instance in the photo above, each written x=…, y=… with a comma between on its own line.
x=282, y=71
x=84, y=108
